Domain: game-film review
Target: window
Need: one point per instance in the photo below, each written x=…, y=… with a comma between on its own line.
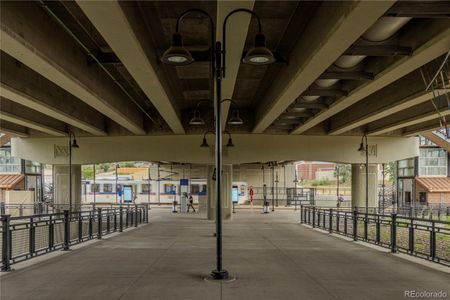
x=107, y=188
x=432, y=162
x=146, y=188
x=32, y=167
x=406, y=168
x=195, y=188
x=169, y=188
x=423, y=197
x=9, y=164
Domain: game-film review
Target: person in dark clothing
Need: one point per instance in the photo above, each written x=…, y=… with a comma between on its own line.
x=191, y=203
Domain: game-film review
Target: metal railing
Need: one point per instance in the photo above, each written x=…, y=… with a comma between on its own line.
x=424, y=238
x=25, y=237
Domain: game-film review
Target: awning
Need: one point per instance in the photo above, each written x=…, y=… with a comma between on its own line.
x=435, y=184
x=9, y=181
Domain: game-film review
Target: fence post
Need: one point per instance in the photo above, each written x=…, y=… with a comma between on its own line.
x=378, y=236
x=337, y=220
x=80, y=227
x=6, y=244
x=121, y=219
x=51, y=233
x=345, y=222
x=366, y=221
x=90, y=225
x=146, y=213
x=433, y=241
x=393, y=232
x=411, y=237
x=32, y=240
x=2, y=208
x=108, y=224
x=301, y=214
x=355, y=225
x=66, y=230
x=330, y=221
x=100, y=222
x=314, y=217
x=318, y=218
x=115, y=220
x=135, y=215
x=127, y=214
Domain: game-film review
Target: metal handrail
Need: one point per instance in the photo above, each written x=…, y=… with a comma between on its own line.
x=374, y=228
x=25, y=237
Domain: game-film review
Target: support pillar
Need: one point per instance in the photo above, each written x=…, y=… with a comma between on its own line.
x=61, y=187
x=359, y=185
x=227, y=206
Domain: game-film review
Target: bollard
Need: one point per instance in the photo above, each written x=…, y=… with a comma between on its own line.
x=377, y=229
x=120, y=219
x=6, y=243
x=146, y=213
x=355, y=225
x=411, y=237
x=66, y=230
x=100, y=223
x=393, y=232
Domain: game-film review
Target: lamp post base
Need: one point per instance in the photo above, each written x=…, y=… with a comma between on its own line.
x=219, y=275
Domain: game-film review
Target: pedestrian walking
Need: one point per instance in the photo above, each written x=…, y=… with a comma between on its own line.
x=191, y=203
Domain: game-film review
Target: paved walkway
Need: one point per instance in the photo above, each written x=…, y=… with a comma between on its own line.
x=272, y=256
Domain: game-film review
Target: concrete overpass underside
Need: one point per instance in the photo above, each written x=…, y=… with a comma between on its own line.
x=342, y=69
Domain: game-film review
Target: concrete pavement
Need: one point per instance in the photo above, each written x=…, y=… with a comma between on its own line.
x=272, y=257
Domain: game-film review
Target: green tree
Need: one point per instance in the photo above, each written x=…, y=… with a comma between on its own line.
x=391, y=171
x=87, y=172
x=104, y=167
x=345, y=172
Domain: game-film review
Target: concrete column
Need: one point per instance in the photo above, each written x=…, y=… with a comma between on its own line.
x=227, y=176
x=61, y=185
x=359, y=185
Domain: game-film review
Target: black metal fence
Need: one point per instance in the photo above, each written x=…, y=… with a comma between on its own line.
x=425, y=238
x=26, y=237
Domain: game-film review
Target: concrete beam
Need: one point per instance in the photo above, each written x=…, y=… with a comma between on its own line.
x=437, y=140
x=31, y=36
x=436, y=44
x=30, y=124
x=409, y=122
x=417, y=129
x=13, y=130
x=248, y=148
x=237, y=28
x=39, y=105
x=368, y=116
x=118, y=31
x=334, y=27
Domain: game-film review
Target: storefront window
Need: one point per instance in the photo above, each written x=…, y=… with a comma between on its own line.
x=9, y=164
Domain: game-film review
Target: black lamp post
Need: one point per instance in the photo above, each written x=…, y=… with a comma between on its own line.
x=364, y=147
x=205, y=144
x=177, y=55
x=72, y=144
x=235, y=119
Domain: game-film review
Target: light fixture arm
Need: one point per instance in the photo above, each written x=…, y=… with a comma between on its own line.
x=211, y=30
x=230, y=100
x=224, y=29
